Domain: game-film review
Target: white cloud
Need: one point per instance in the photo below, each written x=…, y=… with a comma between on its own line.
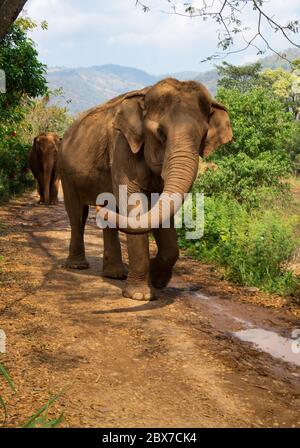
x=91, y=32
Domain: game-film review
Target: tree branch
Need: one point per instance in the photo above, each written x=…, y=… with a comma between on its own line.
x=231, y=16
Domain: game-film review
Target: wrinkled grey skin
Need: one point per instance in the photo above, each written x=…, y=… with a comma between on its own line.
x=149, y=140
x=43, y=164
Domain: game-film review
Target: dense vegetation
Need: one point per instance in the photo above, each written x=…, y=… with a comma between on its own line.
x=249, y=231
x=22, y=116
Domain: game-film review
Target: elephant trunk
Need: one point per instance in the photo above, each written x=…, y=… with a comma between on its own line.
x=179, y=172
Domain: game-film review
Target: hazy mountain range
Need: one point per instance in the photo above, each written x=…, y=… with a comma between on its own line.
x=86, y=87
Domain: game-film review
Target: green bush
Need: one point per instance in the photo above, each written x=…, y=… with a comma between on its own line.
x=260, y=122
x=14, y=174
x=252, y=247
x=251, y=181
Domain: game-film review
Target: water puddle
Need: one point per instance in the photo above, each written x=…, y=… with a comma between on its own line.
x=270, y=342
x=201, y=296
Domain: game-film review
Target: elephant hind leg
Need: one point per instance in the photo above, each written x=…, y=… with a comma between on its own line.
x=112, y=257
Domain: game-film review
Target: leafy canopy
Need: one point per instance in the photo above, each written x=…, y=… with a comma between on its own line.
x=25, y=74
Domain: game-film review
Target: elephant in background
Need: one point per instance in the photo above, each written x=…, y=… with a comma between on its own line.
x=43, y=164
x=149, y=140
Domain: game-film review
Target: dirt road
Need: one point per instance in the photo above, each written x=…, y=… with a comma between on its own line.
x=175, y=362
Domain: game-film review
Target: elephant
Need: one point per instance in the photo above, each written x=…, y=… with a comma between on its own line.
x=43, y=164
x=149, y=140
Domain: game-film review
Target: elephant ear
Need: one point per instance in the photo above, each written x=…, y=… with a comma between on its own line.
x=129, y=119
x=219, y=131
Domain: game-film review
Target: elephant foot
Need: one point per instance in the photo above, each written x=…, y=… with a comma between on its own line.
x=139, y=292
x=55, y=202
x=76, y=264
x=116, y=272
x=159, y=276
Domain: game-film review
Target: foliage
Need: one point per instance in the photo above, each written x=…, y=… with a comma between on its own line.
x=25, y=74
x=286, y=86
x=260, y=122
x=8, y=380
x=251, y=181
x=40, y=417
x=25, y=80
x=252, y=247
x=14, y=175
x=41, y=118
x=242, y=78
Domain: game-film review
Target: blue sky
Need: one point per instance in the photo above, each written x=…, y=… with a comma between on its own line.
x=96, y=32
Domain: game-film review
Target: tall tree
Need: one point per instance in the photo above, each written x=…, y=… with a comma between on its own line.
x=9, y=11
x=243, y=78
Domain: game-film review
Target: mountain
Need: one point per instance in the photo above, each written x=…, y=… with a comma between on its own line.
x=85, y=87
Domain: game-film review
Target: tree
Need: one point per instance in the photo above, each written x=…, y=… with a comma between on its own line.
x=25, y=74
x=286, y=86
x=260, y=122
x=25, y=81
x=230, y=15
x=9, y=11
x=42, y=117
x=243, y=77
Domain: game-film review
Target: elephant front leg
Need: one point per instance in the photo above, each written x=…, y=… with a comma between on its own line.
x=161, y=266
x=78, y=216
x=40, y=190
x=138, y=284
x=54, y=191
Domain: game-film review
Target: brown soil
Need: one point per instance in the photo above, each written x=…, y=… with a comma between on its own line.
x=169, y=363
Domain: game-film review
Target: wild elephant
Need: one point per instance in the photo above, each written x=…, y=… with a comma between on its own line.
x=43, y=164
x=150, y=140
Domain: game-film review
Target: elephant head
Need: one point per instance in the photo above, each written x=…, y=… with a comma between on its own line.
x=172, y=123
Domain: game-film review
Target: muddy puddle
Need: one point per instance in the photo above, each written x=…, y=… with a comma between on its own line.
x=270, y=342
x=233, y=318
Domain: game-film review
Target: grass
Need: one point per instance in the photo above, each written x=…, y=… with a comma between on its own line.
x=40, y=418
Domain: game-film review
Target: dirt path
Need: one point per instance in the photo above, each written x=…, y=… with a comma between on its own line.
x=174, y=362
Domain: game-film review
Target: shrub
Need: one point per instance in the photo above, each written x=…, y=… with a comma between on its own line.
x=253, y=247
x=260, y=122
x=14, y=174
x=252, y=181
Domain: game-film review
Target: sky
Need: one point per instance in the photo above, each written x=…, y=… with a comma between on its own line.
x=84, y=33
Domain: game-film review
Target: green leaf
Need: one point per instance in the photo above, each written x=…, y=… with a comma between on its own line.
x=32, y=421
x=4, y=372
x=3, y=406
